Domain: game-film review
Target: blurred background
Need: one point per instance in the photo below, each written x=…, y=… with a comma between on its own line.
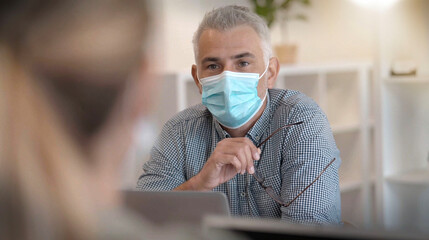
x=366, y=63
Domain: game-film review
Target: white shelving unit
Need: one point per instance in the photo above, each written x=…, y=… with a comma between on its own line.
x=402, y=118
x=343, y=91
x=404, y=169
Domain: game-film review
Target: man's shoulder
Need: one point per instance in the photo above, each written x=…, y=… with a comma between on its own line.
x=281, y=98
x=191, y=115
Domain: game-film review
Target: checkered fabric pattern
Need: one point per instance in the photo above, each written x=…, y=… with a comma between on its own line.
x=290, y=160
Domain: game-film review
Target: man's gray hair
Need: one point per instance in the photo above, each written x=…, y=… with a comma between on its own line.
x=228, y=17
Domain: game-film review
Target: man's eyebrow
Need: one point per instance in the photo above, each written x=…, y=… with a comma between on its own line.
x=210, y=59
x=242, y=55
x=215, y=59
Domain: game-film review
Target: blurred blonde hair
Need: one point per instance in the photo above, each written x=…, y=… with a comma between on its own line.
x=43, y=166
x=41, y=169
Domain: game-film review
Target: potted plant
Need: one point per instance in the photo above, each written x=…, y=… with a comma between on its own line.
x=279, y=11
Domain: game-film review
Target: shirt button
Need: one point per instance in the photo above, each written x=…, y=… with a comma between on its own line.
x=243, y=194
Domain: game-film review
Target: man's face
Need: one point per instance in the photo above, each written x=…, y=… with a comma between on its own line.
x=237, y=50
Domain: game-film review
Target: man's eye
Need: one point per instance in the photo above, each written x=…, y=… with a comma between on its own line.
x=243, y=64
x=212, y=66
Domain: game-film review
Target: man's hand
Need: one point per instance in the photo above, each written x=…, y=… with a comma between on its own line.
x=231, y=156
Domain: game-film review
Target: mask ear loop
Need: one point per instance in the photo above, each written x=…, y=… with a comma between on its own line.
x=266, y=91
x=264, y=71
x=198, y=78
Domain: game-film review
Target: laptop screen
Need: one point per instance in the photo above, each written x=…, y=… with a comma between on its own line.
x=177, y=207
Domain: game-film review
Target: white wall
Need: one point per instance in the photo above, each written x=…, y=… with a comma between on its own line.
x=181, y=19
x=405, y=34
x=336, y=30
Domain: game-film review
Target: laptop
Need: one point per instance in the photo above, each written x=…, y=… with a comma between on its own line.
x=177, y=207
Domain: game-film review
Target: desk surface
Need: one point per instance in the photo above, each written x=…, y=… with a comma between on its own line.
x=276, y=229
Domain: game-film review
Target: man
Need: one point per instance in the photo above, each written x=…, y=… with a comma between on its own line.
x=213, y=146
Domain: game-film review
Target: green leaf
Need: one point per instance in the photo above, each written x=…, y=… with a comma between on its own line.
x=301, y=17
x=268, y=9
x=306, y=2
x=285, y=4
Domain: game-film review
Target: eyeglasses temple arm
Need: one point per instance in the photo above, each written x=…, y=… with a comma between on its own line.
x=286, y=126
x=320, y=174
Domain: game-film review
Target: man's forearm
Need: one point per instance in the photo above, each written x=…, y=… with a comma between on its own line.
x=192, y=184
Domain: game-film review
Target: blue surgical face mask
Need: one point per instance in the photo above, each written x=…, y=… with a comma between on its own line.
x=232, y=97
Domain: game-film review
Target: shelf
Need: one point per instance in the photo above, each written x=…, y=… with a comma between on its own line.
x=184, y=77
x=353, y=185
x=410, y=79
x=348, y=186
x=349, y=127
x=323, y=68
x=418, y=177
x=345, y=128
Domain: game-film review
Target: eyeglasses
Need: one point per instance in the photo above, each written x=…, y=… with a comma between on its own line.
x=278, y=129
x=270, y=191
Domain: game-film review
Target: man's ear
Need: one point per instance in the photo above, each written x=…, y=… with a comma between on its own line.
x=194, y=75
x=273, y=72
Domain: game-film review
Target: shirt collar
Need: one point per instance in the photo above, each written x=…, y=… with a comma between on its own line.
x=257, y=131
x=222, y=133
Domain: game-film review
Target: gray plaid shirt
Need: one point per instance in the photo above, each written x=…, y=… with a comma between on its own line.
x=290, y=160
